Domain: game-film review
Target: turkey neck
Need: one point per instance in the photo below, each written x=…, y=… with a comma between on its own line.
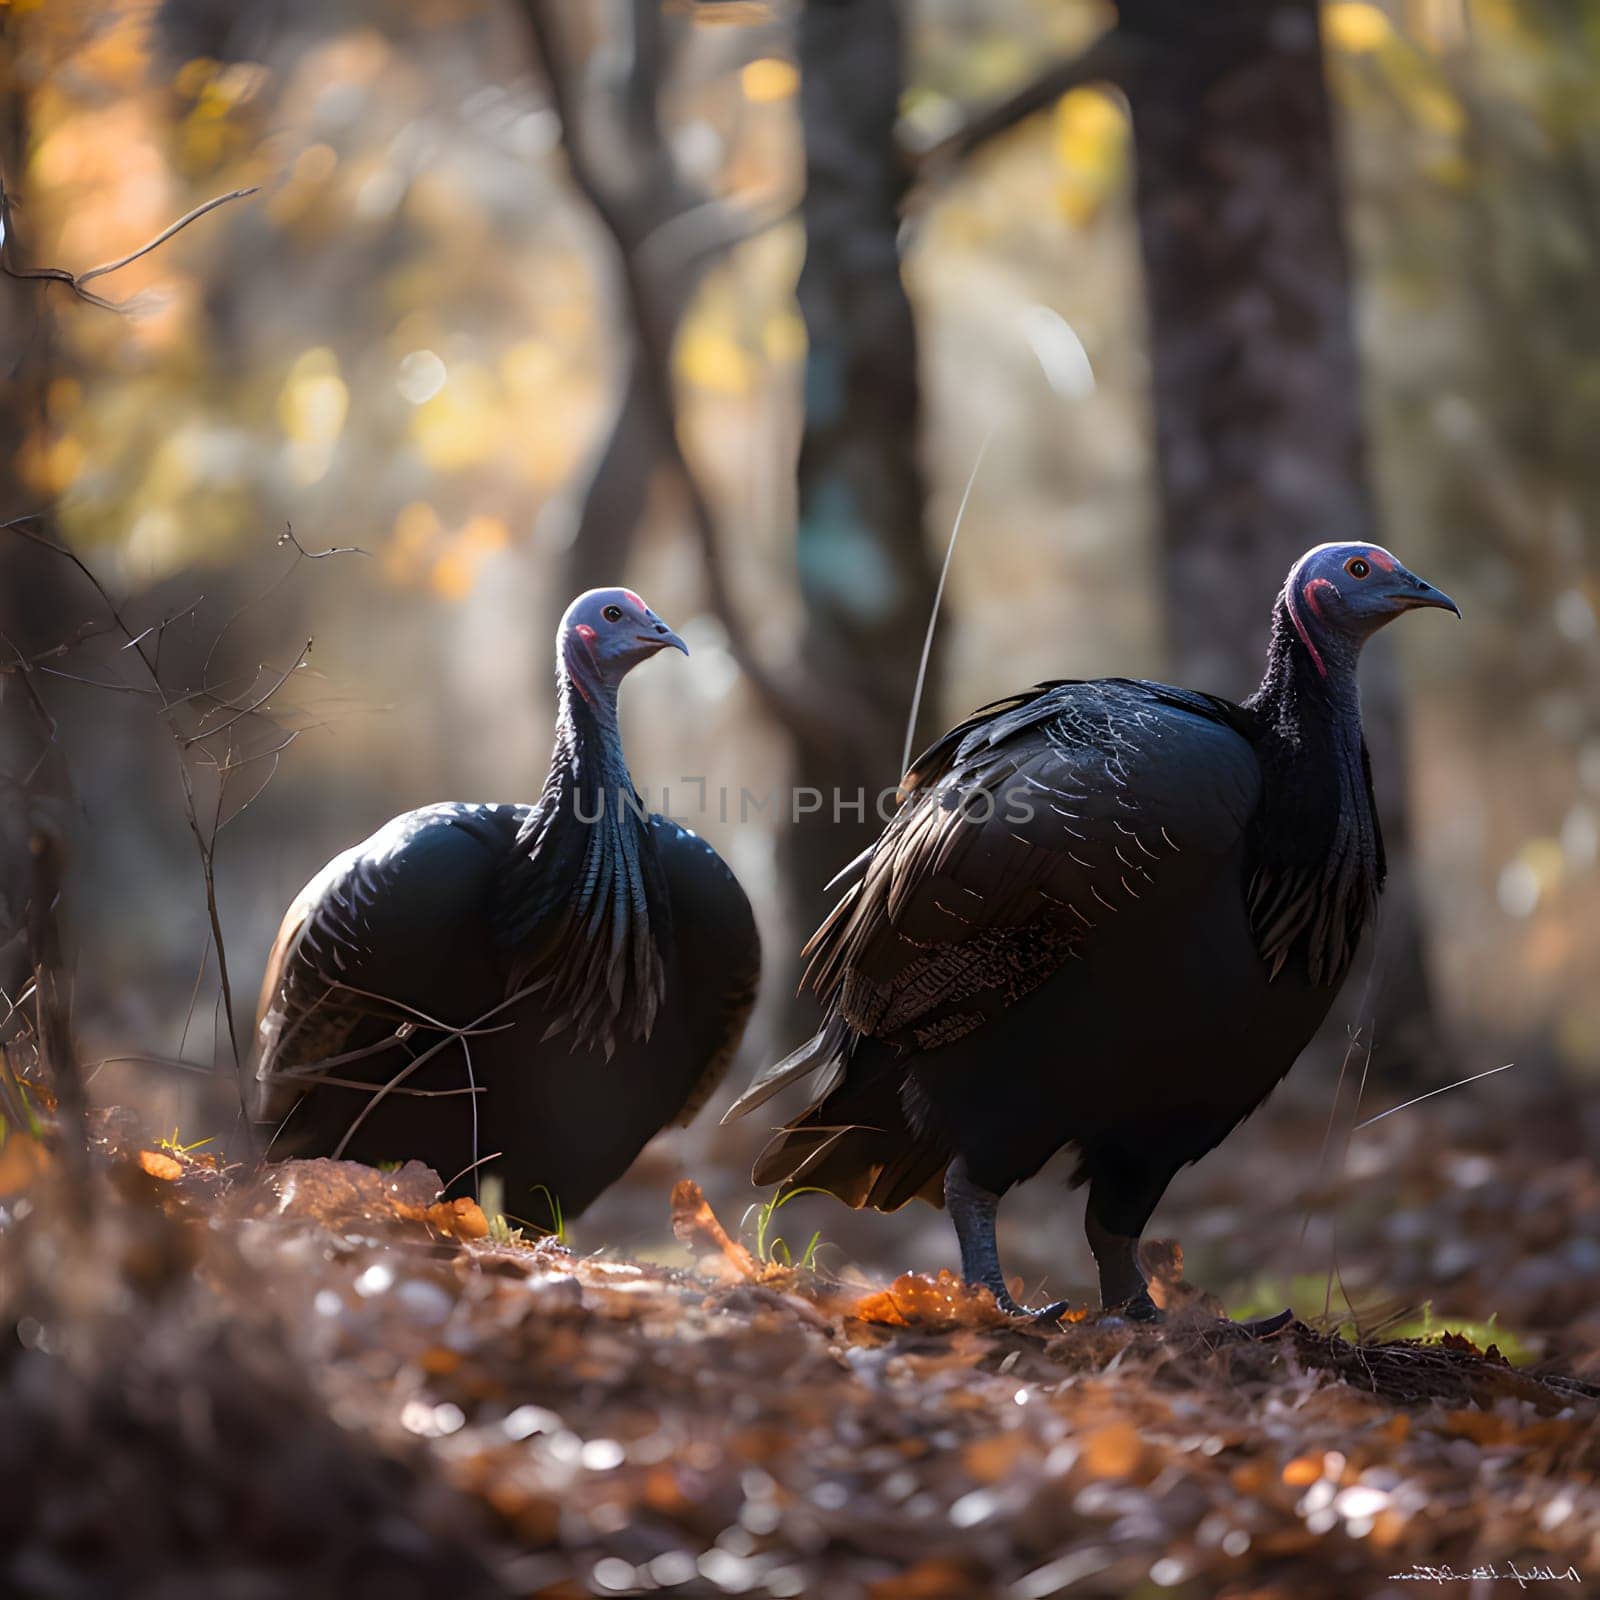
x=1308, y=706
x=588, y=759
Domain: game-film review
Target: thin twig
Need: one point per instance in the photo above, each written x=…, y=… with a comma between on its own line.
x=53, y=1008
x=938, y=596
x=205, y=842
x=1108, y=60
x=1460, y=1083
x=258, y=704
x=288, y=537
x=821, y=726
x=75, y=281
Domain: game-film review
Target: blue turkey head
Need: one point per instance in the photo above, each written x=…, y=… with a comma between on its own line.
x=607, y=632
x=1345, y=592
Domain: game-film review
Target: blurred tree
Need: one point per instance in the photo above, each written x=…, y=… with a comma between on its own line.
x=865, y=577
x=671, y=231
x=1260, y=446
x=1476, y=168
x=32, y=606
x=864, y=569
x=1255, y=382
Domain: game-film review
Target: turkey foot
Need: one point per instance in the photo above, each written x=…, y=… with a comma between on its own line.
x=972, y=1209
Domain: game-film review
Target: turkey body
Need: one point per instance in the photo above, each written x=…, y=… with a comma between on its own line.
x=405, y=930
x=1108, y=915
x=529, y=992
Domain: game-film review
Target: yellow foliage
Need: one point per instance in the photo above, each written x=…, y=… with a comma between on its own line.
x=484, y=534
x=463, y=424
x=456, y=569
x=1355, y=26
x=312, y=407
x=416, y=530
x=118, y=54
x=769, y=79
x=1435, y=107
x=62, y=462
x=453, y=575
x=192, y=77
x=531, y=369
x=709, y=358
x=783, y=338
x=1090, y=136
x=49, y=463
x=314, y=400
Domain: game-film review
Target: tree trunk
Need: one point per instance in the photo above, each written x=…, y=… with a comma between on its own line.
x=864, y=570
x=1255, y=378
x=33, y=609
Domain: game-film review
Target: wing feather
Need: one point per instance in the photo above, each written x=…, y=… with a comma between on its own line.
x=1020, y=832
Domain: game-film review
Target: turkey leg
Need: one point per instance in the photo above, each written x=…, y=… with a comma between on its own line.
x=972, y=1209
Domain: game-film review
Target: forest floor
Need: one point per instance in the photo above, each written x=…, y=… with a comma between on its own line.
x=317, y=1382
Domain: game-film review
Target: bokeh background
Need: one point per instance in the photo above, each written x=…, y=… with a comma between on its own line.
x=530, y=297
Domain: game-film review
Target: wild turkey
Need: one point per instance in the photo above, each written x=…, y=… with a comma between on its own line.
x=546, y=984
x=1107, y=914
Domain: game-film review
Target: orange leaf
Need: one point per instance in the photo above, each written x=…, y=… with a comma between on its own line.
x=693, y=1220
x=943, y=1302
x=1113, y=1451
x=1482, y=1427
x=990, y=1458
x=22, y=1159
x=160, y=1166
x=457, y=1219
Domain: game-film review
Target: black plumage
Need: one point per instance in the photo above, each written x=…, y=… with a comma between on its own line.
x=548, y=985
x=1106, y=914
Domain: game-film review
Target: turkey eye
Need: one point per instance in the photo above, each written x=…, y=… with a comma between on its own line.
x=1356, y=567
x=612, y=613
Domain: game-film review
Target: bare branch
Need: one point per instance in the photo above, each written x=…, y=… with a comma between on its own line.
x=700, y=236
x=288, y=537
x=1108, y=60
x=53, y=1007
x=799, y=713
x=258, y=704
x=75, y=281
x=185, y=739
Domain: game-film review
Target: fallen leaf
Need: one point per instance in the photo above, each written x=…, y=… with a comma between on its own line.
x=160, y=1166
x=22, y=1159
x=943, y=1302
x=458, y=1219
x=990, y=1458
x=1114, y=1451
x=693, y=1221
x=1482, y=1427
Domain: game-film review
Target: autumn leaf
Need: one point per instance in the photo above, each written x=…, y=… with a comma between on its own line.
x=159, y=1165
x=22, y=1160
x=694, y=1222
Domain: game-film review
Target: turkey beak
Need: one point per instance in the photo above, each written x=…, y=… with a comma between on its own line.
x=1412, y=594
x=662, y=638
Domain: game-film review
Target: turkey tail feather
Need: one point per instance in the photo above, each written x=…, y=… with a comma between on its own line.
x=822, y=1049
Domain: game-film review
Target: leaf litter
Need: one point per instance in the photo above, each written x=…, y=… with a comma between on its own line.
x=322, y=1379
